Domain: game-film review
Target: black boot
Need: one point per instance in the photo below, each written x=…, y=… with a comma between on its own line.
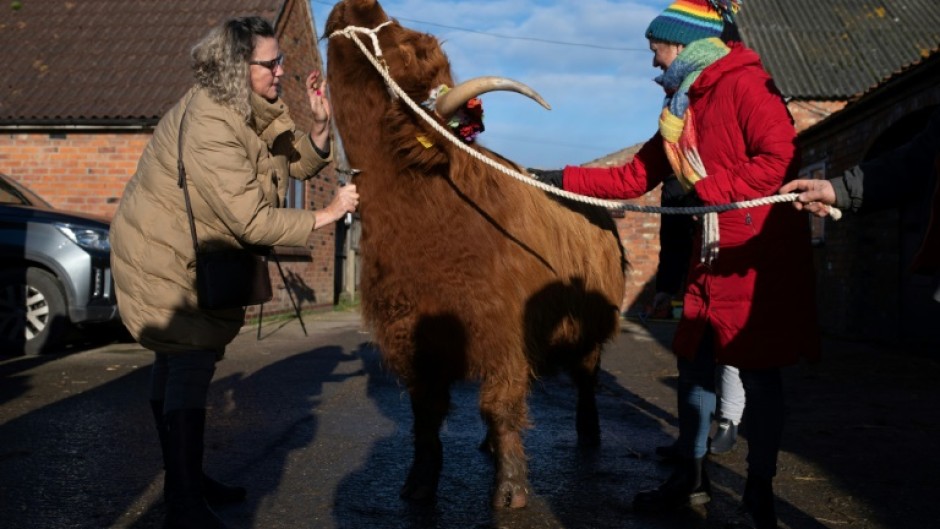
x=186, y=506
x=217, y=493
x=688, y=485
x=668, y=453
x=757, y=506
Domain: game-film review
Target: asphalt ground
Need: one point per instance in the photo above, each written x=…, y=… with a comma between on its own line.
x=319, y=433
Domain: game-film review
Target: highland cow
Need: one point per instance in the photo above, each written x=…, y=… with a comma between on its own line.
x=466, y=272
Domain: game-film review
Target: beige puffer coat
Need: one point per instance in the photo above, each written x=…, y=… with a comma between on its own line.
x=237, y=176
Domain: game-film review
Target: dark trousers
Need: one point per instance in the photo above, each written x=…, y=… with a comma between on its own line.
x=764, y=411
x=181, y=380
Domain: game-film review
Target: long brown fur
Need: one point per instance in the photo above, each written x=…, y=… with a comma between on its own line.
x=466, y=272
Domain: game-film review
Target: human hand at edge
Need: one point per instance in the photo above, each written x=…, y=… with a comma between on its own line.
x=320, y=106
x=815, y=196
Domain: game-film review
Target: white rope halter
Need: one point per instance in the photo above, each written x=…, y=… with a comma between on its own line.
x=710, y=229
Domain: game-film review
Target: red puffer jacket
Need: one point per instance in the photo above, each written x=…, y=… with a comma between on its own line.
x=759, y=296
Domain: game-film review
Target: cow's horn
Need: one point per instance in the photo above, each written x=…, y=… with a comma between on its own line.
x=450, y=101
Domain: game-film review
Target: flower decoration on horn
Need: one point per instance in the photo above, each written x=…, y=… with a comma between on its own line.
x=467, y=121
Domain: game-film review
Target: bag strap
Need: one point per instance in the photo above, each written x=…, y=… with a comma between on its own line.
x=182, y=182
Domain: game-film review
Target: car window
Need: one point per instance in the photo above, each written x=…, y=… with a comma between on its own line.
x=12, y=193
x=9, y=195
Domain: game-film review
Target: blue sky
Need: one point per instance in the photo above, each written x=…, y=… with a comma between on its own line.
x=598, y=80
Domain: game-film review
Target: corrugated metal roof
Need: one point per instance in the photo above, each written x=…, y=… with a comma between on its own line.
x=926, y=71
x=87, y=60
x=837, y=49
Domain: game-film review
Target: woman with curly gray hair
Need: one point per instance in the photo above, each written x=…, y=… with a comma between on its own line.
x=238, y=144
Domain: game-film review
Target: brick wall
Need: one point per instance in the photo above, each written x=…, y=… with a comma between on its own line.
x=78, y=171
x=808, y=113
x=639, y=234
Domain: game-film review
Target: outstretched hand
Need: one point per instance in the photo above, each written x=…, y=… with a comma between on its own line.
x=553, y=177
x=815, y=196
x=345, y=201
x=320, y=106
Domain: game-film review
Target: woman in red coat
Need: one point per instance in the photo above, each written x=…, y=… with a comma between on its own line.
x=726, y=133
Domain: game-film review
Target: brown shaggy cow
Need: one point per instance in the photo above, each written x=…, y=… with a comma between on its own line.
x=466, y=272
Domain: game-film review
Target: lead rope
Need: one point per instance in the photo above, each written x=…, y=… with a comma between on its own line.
x=709, y=229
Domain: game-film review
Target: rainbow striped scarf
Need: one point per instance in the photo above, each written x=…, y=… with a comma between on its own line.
x=676, y=123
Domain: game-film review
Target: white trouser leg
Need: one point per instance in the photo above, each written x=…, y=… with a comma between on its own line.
x=731, y=394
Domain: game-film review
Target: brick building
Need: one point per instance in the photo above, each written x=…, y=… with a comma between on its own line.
x=85, y=83
x=863, y=263
x=860, y=77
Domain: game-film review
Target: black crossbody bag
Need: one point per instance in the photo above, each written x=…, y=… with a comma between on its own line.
x=230, y=278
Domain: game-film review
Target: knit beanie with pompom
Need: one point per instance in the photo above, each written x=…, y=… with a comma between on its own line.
x=686, y=21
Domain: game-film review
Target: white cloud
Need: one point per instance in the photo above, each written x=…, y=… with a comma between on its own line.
x=602, y=99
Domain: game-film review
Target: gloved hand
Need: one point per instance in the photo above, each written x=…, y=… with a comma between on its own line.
x=552, y=177
x=690, y=200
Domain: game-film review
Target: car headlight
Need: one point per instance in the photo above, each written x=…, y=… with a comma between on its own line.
x=87, y=237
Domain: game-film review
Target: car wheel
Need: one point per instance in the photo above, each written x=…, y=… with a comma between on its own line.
x=33, y=317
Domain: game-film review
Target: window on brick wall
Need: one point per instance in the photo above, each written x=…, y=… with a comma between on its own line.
x=817, y=226
x=295, y=194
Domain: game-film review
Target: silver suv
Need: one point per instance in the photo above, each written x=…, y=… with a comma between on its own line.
x=54, y=272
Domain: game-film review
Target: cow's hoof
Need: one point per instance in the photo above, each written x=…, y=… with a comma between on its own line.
x=512, y=495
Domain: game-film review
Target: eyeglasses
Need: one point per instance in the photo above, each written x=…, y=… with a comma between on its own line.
x=272, y=64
